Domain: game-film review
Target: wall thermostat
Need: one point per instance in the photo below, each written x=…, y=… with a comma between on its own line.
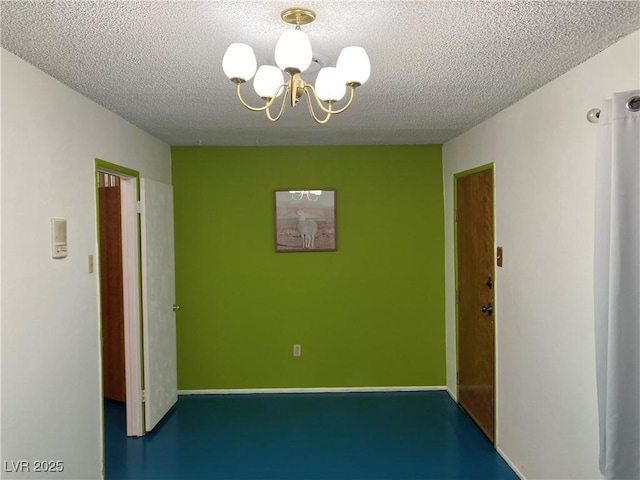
x=59, y=237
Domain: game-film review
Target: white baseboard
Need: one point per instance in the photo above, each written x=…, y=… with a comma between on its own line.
x=249, y=391
x=450, y=392
x=511, y=464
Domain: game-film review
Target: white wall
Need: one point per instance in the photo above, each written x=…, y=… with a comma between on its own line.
x=51, y=389
x=543, y=149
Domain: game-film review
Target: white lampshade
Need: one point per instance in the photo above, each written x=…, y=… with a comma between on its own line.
x=293, y=50
x=354, y=64
x=239, y=61
x=268, y=79
x=330, y=84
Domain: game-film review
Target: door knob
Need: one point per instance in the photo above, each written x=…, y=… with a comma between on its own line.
x=488, y=309
x=176, y=307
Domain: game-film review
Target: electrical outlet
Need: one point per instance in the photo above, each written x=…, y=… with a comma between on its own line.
x=297, y=350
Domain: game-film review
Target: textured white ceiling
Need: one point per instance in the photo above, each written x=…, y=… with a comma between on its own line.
x=438, y=67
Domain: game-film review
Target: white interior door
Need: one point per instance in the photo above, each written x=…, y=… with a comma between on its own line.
x=158, y=298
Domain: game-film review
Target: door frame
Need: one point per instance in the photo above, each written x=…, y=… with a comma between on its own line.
x=456, y=176
x=132, y=293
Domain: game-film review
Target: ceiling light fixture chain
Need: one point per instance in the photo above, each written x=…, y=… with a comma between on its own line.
x=293, y=55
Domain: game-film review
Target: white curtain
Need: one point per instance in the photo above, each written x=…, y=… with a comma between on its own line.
x=617, y=286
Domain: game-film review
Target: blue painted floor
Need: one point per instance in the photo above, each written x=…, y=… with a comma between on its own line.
x=412, y=435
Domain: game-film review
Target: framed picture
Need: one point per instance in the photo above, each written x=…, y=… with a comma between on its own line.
x=305, y=220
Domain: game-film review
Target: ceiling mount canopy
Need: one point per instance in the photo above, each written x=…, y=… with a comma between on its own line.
x=293, y=56
x=298, y=16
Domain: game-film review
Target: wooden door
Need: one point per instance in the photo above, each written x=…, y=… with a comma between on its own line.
x=111, y=288
x=475, y=293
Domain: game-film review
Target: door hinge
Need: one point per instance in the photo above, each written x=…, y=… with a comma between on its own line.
x=456, y=214
x=144, y=396
x=457, y=378
x=139, y=207
x=457, y=297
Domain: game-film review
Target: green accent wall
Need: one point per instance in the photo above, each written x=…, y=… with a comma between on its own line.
x=369, y=314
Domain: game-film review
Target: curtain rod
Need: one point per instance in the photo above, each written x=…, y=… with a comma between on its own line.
x=633, y=105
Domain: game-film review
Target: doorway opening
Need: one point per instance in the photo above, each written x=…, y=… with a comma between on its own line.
x=119, y=260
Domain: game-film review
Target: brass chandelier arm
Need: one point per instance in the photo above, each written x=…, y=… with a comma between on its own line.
x=311, y=90
x=294, y=89
x=313, y=113
x=258, y=109
x=284, y=102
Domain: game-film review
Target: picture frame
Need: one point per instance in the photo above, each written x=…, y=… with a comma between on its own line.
x=305, y=220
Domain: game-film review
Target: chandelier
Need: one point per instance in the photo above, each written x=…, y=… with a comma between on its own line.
x=293, y=56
